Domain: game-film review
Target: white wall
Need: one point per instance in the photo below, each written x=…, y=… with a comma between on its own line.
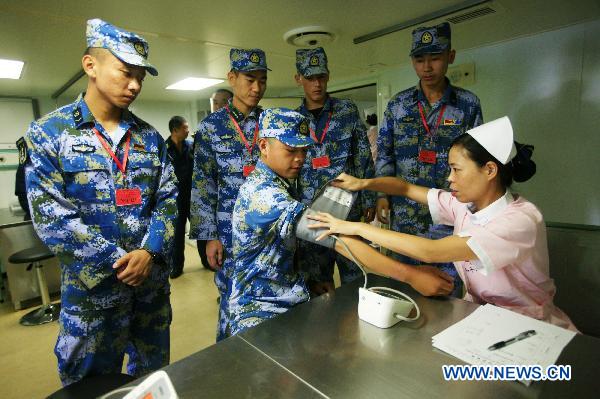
x=158, y=113
x=549, y=85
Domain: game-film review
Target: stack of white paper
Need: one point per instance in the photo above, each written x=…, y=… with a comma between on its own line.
x=470, y=338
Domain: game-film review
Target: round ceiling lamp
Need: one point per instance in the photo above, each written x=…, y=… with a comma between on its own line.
x=309, y=36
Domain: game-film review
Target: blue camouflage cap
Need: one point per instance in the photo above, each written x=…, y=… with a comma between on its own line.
x=285, y=125
x=127, y=46
x=311, y=62
x=431, y=40
x=243, y=60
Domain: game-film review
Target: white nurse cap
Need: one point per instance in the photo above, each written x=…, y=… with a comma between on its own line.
x=497, y=138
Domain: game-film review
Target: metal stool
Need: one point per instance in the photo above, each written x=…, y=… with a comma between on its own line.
x=47, y=312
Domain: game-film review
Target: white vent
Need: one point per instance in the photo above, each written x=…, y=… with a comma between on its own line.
x=467, y=16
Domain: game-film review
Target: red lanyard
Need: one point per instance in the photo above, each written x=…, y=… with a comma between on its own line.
x=425, y=125
x=314, y=135
x=242, y=136
x=120, y=165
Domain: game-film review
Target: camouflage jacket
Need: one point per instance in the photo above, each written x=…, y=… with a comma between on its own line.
x=71, y=185
x=347, y=146
x=402, y=136
x=219, y=159
x=264, y=281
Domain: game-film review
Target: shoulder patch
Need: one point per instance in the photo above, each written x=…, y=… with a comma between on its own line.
x=22, y=147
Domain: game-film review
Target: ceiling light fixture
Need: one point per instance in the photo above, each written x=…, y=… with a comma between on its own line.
x=10, y=69
x=194, y=84
x=309, y=36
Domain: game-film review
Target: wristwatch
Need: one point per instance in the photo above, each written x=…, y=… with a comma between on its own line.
x=156, y=257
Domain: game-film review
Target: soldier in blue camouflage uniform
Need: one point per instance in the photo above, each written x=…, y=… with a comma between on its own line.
x=341, y=145
x=109, y=223
x=224, y=155
x=419, y=125
x=265, y=281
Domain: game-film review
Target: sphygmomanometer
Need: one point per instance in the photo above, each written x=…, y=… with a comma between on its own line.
x=380, y=306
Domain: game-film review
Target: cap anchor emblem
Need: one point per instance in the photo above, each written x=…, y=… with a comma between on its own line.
x=426, y=38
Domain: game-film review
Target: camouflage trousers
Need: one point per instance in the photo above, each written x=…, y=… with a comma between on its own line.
x=223, y=284
x=95, y=342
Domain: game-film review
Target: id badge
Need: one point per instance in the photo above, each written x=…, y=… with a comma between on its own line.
x=128, y=196
x=321, y=162
x=427, y=156
x=248, y=169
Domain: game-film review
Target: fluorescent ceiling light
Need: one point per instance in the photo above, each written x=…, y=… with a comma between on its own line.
x=10, y=69
x=194, y=84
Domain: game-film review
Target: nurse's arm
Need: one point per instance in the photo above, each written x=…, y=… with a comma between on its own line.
x=387, y=184
x=447, y=249
x=426, y=280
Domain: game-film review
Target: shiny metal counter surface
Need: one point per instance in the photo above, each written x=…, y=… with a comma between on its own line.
x=321, y=349
x=234, y=369
x=325, y=344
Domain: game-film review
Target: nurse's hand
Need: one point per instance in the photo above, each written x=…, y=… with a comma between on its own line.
x=349, y=183
x=134, y=267
x=214, y=254
x=333, y=224
x=430, y=281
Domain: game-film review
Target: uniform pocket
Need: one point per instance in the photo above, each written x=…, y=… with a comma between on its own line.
x=87, y=177
x=228, y=154
x=339, y=151
x=143, y=171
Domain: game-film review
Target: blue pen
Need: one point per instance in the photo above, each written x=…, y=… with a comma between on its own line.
x=520, y=337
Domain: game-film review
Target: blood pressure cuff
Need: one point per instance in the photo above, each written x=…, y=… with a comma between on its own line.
x=335, y=201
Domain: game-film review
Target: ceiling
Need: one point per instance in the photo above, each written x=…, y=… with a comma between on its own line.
x=193, y=37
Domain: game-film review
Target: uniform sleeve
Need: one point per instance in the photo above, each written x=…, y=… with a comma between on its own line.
x=363, y=160
x=274, y=210
x=477, y=115
x=442, y=206
x=57, y=221
x=506, y=240
x=204, y=196
x=161, y=230
x=386, y=165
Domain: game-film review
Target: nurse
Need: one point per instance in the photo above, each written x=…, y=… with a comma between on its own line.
x=499, y=245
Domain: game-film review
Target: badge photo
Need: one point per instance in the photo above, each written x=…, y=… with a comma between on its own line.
x=128, y=196
x=428, y=156
x=254, y=58
x=321, y=162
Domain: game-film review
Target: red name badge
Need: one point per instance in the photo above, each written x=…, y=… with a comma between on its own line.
x=427, y=156
x=321, y=162
x=128, y=196
x=248, y=169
